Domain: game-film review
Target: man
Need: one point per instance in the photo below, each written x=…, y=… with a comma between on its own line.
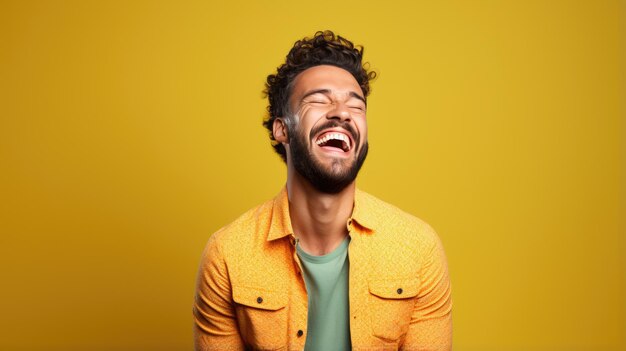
x=323, y=266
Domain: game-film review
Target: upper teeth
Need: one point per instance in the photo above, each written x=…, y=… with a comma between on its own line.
x=337, y=136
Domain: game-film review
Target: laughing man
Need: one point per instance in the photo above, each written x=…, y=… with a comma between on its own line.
x=322, y=266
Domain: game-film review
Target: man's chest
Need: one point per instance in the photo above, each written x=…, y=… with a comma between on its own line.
x=271, y=300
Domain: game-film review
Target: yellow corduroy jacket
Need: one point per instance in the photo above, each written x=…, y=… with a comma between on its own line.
x=251, y=294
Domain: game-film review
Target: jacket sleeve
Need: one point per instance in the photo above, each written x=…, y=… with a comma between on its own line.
x=215, y=324
x=431, y=321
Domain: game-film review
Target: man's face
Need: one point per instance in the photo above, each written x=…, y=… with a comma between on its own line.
x=328, y=139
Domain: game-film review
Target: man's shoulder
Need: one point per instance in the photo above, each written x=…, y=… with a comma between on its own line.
x=245, y=247
x=390, y=219
x=400, y=242
x=248, y=226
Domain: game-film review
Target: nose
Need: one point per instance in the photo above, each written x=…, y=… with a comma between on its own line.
x=340, y=111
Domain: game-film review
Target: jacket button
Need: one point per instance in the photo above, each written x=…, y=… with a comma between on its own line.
x=399, y=291
x=259, y=299
x=300, y=333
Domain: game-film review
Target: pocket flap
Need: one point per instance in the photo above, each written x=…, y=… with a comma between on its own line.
x=394, y=288
x=259, y=298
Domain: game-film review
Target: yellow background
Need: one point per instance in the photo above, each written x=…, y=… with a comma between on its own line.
x=130, y=131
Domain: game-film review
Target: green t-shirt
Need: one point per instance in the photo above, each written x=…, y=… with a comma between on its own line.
x=326, y=279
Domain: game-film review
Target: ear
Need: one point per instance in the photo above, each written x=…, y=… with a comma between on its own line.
x=279, y=129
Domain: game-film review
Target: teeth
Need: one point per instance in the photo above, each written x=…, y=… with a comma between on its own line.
x=336, y=136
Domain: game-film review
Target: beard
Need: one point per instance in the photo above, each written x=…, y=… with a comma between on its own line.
x=340, y=174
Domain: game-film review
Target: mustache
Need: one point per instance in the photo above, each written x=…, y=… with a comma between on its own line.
x=333, y=124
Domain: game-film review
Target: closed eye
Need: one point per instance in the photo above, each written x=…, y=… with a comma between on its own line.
x=357, y=108
x=318, y=99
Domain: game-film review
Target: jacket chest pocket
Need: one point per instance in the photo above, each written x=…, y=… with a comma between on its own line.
x=262, y=317
x=391, y=305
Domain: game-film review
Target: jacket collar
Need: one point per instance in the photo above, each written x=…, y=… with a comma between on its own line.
x=280, y=221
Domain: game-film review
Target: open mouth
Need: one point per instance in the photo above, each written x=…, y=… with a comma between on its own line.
x=335, y=140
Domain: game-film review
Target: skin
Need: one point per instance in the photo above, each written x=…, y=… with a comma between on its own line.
x=319, y=94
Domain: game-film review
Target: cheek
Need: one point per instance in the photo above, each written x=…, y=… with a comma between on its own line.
x=309, y=120
x=362, y=125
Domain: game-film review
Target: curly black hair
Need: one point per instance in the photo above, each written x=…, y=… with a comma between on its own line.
x=324, y=48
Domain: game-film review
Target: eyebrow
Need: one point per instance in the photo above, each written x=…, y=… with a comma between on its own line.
x=328, y=92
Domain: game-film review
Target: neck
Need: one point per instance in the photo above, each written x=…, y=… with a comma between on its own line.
x=318, y=219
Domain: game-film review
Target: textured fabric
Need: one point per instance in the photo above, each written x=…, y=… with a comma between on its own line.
x=326, y=278
x=250, y=293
